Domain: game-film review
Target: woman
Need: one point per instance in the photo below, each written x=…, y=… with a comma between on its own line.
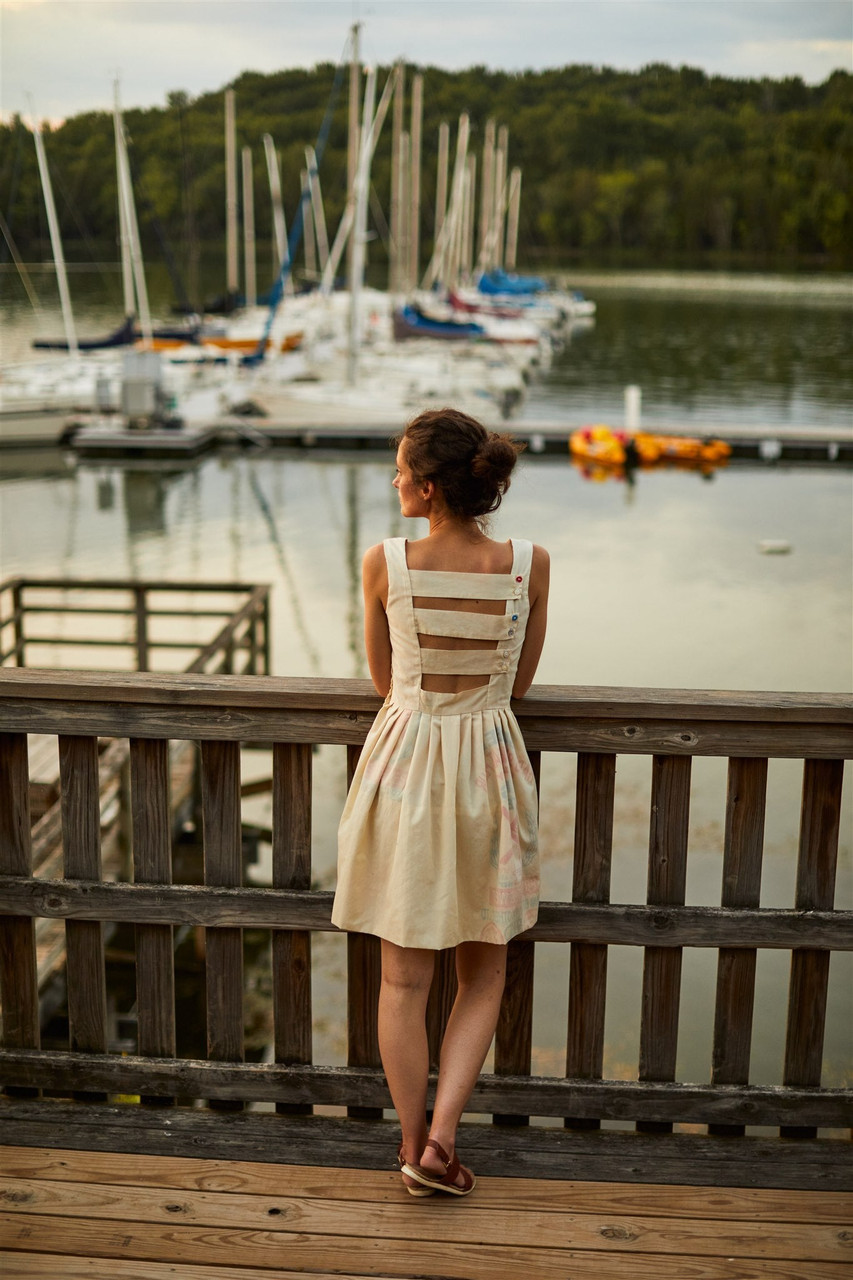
x=438, y=839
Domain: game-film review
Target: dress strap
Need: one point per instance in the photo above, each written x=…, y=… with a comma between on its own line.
x=395, y=561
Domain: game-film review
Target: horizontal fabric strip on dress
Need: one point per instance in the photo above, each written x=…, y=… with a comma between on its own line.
x=464, y=586
x=459, y=626
x=463, y=662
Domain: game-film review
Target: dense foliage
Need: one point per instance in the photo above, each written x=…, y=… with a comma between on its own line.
x=654, y=164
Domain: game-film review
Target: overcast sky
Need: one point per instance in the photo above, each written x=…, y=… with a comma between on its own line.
x=66, y=53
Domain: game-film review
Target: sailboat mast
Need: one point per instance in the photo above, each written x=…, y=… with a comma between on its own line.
x=415, y=186
x=123, y=229
x=232, y=279
x=353, y=147
x=278, y=222
x=126, y=193
x=359, y=233
x=249, y=229
x=55, y=242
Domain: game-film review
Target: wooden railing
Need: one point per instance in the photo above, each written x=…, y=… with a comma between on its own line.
x=47, y=614
x=291, y=716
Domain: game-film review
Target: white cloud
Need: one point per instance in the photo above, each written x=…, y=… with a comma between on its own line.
x=67, y=52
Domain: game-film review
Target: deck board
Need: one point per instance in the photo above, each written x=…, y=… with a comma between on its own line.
x=99, y=1214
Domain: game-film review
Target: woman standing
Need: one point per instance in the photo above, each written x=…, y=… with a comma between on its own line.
x=438, y=839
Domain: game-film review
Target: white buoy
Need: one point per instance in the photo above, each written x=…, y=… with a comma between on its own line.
x=633, y=408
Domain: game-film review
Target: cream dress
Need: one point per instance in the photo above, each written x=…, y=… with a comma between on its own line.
x=438, y=839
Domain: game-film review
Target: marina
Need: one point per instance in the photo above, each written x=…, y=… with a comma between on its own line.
x=190, y=1075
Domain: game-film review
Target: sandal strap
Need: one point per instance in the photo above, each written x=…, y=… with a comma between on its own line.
x=440, y=1152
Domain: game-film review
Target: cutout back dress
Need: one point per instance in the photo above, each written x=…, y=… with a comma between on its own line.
x=438, y=843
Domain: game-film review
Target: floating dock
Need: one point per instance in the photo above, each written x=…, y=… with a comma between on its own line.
x=763, y=443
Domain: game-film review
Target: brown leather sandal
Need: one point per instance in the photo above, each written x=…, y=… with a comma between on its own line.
x=418, y=1191
x=452, y=1170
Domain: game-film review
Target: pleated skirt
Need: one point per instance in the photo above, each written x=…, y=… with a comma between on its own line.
x=438, y=840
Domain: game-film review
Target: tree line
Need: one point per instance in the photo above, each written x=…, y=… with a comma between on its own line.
x=647, y=165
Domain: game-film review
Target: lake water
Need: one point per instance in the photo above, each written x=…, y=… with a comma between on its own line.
x=659, y=584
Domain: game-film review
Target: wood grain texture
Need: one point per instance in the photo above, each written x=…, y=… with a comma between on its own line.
x=220, y=785
x=632, y=925
x=365, y=1087
x=742, y=856
x=84, y=939
x=291, y=869
x=719, y=1205
x=820, y=818
x=593, y=846
x=151, y=839
x=18, y=974
x=545, y=1153
x=667, y=879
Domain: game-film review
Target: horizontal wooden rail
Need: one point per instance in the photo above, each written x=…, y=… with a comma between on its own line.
x=554, y=718
x=361, y=1086
x=263, y=908
x=142, y=713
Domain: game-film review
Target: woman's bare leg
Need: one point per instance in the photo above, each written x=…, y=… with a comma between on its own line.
x=481, y=973
x=406, y=980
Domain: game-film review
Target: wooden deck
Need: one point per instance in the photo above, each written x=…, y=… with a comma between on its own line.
x=108, y=1216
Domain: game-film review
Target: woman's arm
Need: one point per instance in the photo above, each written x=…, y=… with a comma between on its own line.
x=534, y=636
x=377, y=640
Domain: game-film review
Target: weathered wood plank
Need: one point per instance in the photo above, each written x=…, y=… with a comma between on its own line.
x=538, y=1095
x=18, y=974
x=152, y=864
x=593, y=846
x=220, y=788
x=515, y=1227
x=514, y=1032
x=291, y=869
x=549, y=1153
x=742, y=855
x=558, y=701
x=494, y=1193
x=820, y=820
x=468, y=1258
x=620, y=924
x=670, y=810
x=364, y=977
x=84, y=940
x=349, y=724
x=36, y=1266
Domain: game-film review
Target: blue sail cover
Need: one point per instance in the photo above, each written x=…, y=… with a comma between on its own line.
x=499, y=281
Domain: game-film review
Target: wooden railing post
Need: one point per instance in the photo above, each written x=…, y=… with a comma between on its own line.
x=742, y=854
x=18, y=615
x=291, y=869
x=666, y=886
x=152, y=864
x=590, y=883
x=267, y=639
x=223, y=867
x=140, y=601
x=18, y=978
x=820, y=821
x=364, y=973
x=84, y=939
x=514, y=1032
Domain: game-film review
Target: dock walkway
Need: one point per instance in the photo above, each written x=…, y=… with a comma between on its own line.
x=108, y=1216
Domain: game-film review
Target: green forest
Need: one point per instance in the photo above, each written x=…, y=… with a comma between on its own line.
x=664, y=166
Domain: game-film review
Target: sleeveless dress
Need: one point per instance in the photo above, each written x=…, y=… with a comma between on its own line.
x=437, y=844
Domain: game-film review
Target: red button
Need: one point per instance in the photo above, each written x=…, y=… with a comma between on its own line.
x=519, y=579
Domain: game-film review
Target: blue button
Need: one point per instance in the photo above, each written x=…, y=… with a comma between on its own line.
x=515, y=617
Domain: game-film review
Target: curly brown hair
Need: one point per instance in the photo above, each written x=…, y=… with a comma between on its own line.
x=468, y=464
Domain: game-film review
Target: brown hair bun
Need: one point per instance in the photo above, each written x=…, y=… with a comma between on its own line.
x=470, y=466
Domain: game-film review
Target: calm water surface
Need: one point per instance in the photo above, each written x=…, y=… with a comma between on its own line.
x=662, y=584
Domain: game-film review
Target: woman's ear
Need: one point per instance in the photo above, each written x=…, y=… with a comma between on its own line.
x=427, y=490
